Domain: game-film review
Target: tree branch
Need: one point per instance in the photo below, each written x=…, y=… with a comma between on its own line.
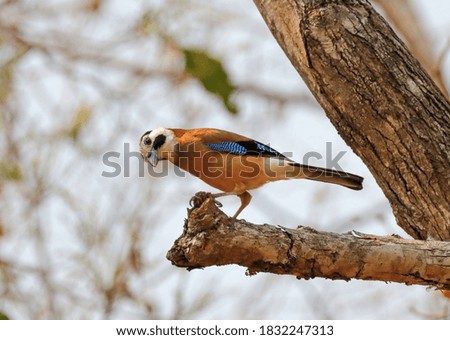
x=212, y=238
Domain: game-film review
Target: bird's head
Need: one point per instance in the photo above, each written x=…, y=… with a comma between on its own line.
x=156, y=145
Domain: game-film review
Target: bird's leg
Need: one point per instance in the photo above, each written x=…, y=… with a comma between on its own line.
x=221, y=194
x=245, y=200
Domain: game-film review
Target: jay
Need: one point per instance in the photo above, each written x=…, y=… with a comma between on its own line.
x=230, y=162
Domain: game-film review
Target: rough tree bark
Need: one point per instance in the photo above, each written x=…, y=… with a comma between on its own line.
x=379, y=98
x=387, y=108
x=402, y=14
x=212, y=238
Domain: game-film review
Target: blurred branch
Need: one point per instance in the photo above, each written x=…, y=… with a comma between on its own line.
x=210, y=238
x=90, y=53
x=403, y=16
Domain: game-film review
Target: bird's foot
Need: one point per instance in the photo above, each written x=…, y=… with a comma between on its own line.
x=216, y=202
x=200, y=197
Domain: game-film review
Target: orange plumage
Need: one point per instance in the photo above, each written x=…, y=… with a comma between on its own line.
x=230, y=162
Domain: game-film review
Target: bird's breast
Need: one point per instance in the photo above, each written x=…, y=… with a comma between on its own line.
x=226, y=172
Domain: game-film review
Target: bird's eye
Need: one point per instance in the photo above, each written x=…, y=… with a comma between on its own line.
x=147, y=141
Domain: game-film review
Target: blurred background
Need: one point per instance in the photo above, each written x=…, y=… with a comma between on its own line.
x=84, y=228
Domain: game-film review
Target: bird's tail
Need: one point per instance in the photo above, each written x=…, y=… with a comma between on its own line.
x=326, y=175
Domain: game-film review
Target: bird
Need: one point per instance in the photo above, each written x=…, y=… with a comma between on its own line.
x=230, y=162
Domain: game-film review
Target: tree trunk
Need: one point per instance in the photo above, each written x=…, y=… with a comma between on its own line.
x=379, y=98
x=402, y=14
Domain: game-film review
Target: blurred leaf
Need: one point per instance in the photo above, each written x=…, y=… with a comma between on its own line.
x=10, y=172
x=211, y=73
x=82, y=117
x=3, y=316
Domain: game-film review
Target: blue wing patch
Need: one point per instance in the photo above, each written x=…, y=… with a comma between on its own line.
x=228, y=147
x=249, y=148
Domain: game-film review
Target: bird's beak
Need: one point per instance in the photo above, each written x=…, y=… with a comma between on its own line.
x=152, y=157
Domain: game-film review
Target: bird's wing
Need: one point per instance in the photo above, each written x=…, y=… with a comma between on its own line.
x=247, y=148
x=227, y=142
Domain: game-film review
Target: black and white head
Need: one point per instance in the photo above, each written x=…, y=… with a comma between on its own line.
x=155, y=145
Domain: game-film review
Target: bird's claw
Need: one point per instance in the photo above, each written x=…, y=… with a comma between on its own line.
x=201, y=197
x=198, y=199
